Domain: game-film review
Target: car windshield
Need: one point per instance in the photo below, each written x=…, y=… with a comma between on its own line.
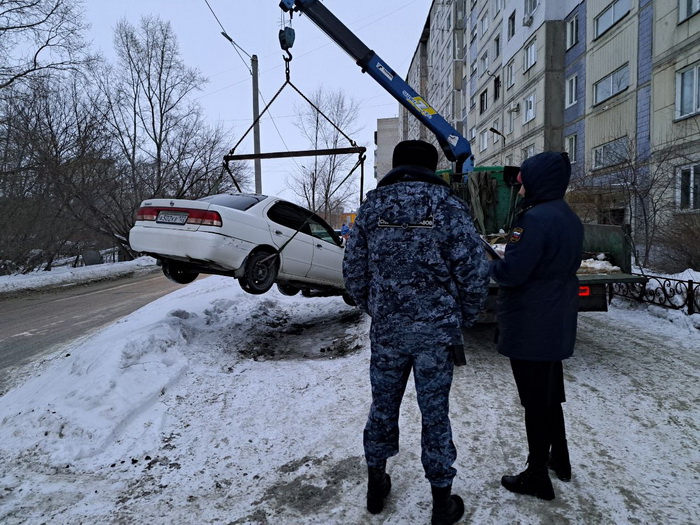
x=237, y=201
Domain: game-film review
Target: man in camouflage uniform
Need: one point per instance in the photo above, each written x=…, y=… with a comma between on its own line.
x=414, y=263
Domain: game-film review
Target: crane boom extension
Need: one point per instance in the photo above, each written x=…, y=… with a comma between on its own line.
x=454, y=145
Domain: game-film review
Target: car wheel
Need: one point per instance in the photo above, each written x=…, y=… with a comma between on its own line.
x=178, y=274
x=287, y=289
x=260, y=272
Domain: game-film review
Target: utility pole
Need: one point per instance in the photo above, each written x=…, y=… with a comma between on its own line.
x=256, y=111
x=256, y=126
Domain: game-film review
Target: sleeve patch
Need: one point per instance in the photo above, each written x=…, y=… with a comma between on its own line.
x=516, y=234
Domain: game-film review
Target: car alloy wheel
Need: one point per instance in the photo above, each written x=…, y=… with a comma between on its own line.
x=287, y=289
x=260, y=272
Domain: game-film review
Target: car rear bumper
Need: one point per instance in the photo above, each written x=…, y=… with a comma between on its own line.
x=225, y=252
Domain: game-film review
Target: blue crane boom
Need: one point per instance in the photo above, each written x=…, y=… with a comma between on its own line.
x=453, y=144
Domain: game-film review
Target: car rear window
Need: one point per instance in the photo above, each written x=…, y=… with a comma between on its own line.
x=239, y=201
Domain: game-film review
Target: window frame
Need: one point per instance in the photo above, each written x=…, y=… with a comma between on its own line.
x=616, y=16
x=483, y=140
x=695, y=91
x=571, y=92
x=597, y=165
x=496, y=125
x=530, y=55
x=571, y=142
x=530, y=7
x=692, y=193
x=572, y=32
x=511, y=26
x=610, y=77
x=484, y=101
x=529, y=108
x=685, y=12
x=510, y=74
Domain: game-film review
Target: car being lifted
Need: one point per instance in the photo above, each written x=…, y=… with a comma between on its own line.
x=258, y=239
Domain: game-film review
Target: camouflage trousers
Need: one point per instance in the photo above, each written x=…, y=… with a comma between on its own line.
x=390, y=366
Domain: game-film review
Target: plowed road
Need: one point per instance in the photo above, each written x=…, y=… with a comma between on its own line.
x=37, y=324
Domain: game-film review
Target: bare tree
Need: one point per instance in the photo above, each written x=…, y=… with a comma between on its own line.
x=39, y=36
x=626, y=182
x=321, y=188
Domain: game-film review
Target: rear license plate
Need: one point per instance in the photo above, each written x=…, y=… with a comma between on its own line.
x=169, y=217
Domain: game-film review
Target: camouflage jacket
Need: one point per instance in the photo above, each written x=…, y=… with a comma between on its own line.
x=414, y=261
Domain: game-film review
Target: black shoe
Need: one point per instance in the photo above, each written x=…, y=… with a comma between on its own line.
x=560, y=464
x=447, y=508
x=531, y=482
x=378, y=487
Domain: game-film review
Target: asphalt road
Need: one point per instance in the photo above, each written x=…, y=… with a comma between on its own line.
x=38, y=324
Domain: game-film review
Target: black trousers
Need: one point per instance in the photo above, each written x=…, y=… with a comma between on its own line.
x=541, y=389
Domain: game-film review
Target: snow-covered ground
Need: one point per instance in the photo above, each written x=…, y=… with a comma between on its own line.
x=213, y=406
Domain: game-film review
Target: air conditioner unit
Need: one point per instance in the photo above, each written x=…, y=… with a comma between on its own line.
x=527, y=20
x=514, y=107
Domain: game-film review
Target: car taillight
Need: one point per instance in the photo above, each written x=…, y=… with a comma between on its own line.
x=147, y=214
x=196, y=217
x=584, y=291
x=204, y=218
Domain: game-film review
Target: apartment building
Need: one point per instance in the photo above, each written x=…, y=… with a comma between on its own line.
x=615, y=83
x=385, y=138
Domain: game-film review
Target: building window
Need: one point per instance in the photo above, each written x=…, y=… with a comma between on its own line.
x=529, y=151
x=484, y=24
x=511, y=25
x=572, y=32
x=497, y=46
x=689, y=188
x=530, y=55
x=484, y=63
x=529, y=112
x=473, y=68
x=611, y=153
x=570, y=147
x=472, y=133
x=496, y=126
x=571, y=89
x=483, y=140
x=688, y=91
x=687, y=8
x=510, y=74
x=499, y=6
x=472, y=102
x=484, y=101
x=510, y=122
x=497, y=88
x=530, y=6
x=610, y=16
x=611, y=85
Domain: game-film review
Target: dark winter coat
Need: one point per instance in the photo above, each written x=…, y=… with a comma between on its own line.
x=537, y=305
x=414, y=260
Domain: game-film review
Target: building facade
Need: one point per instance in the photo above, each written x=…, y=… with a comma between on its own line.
x=614, y=83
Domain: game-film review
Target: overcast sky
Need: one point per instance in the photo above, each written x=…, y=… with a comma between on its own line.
x=390, y=27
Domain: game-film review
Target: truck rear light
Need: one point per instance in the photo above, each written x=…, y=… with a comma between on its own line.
x=147, y=214
x=584, y=291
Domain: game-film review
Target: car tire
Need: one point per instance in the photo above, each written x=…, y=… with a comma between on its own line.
x=287, y=289
x=260, y=272
x=178, y=274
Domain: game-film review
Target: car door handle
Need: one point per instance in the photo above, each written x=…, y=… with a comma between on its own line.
x=319, y=246
x=277, y=232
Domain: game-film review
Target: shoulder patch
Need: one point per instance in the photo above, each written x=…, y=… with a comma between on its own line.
x=516, y=234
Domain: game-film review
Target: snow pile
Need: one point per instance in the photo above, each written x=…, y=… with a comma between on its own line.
x=597, y=265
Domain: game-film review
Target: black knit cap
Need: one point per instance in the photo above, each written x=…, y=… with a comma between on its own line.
x=415, y=153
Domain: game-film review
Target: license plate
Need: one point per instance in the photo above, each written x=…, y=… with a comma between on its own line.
x=168, y=217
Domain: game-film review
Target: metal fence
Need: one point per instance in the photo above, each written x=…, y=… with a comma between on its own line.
x=663, y=291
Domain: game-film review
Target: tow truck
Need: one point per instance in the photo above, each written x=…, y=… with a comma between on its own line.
x=609, y=241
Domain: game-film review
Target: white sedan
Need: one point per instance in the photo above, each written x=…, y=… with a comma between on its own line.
x=257, y=239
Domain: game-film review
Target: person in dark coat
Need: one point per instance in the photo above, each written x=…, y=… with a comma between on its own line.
x=537, y=309
x=415, y=264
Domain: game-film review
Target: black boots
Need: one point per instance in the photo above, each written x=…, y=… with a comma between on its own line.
x=533, y=482
x=447, y=508
x=559, y=461
x=378, y=487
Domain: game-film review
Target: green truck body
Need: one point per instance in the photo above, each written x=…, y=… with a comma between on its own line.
x=493, y=204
